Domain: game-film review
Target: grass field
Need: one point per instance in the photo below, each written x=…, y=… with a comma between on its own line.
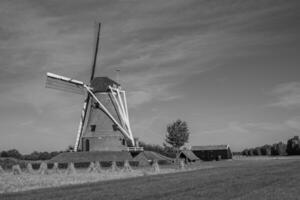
x=238, y=179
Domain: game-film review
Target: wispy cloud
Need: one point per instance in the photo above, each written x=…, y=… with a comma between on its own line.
x=246, y=133
x=254, y=128
x=294, y=123
x=287, y=95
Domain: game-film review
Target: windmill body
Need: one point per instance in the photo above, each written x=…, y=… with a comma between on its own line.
x=100, y=132
x=104, y=123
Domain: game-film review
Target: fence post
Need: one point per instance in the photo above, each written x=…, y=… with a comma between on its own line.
x=127, y=167
x=155, y=166
x=55, y=168
x=71, y=169
x=29, y=168
x=43, y=168
x=16, y=170
x=114, y=167
x=91, y=167
x=98, y=167
x=182, y=164
x=1, y=170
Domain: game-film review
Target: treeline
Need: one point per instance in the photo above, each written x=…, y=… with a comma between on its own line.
x=13, y=153
x=278, y=149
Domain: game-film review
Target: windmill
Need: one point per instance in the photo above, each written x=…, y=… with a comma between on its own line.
x=104, y=123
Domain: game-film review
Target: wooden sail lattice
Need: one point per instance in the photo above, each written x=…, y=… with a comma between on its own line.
x=54, y=81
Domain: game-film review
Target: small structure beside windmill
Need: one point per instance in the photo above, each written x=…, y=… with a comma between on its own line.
x=147, y=158
x=188, y=156
x=104, y=124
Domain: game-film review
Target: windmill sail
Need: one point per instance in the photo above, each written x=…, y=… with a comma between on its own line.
x=87, y=99
x=96, y=53
x=62, y=83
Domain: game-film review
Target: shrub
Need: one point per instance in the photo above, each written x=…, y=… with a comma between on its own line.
x=16, y=170
x=7, y=163
x=40, y=155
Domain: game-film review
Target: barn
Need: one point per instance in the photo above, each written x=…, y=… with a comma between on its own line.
x=212, y=152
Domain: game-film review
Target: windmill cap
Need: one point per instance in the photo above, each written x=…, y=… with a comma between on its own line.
x=101, y=84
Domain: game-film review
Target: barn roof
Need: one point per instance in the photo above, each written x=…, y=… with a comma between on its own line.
x=91, y=156
x=100, y=84
x=150, y=155
x=210, y=147
x=189, y=154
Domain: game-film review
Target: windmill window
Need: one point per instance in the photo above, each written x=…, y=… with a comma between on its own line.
x=87, y=145
x=115, y=127
x=93, y=128
x=96, y=105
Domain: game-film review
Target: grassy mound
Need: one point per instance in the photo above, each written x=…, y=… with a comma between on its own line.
x=87, y=157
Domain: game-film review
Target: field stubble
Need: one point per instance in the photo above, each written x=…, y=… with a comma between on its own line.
x=238, y=179
x=28, y=181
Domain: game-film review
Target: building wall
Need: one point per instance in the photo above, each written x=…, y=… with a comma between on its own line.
x=104, y=137
x=108, y=143
x=213, y=154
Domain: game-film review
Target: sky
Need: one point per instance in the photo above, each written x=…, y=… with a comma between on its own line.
x=230, y=68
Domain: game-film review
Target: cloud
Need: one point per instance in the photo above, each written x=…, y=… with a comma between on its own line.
x=231, y=127
x=151, y=94
x=144, y=128
x=294, y=123
x=137, y=98
x=254, y=128
x=160, y=46
x=250, y=134
x=287, y=95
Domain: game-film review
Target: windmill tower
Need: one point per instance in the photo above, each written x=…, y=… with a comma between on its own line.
x=104, y=123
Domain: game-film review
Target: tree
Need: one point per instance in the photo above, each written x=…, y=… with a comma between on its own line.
x=257, y=151
x=245, y=152
x=278, y=149
x=293, y=146
x=33, y=156
x=177, y=135
x=4, y=154
x=251, y=152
